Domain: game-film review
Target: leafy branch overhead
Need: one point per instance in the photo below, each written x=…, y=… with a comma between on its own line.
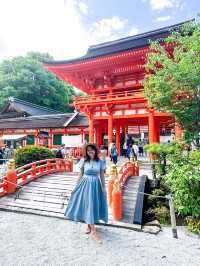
x=26, y=79
x=173, y=80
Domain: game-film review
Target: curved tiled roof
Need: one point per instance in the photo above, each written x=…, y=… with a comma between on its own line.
x=45, y=121
x=16, y=106
x=124, y=44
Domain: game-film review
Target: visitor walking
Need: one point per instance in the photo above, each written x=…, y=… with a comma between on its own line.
x=130, y=152
x=109, y=149
x=1, y=156
x=61, y=152
x=140, y=148
x=135, y=148
x=114, y=153
x=125, y=146
x=88, y=201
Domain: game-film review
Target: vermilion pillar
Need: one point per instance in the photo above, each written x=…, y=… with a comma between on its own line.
x=37, y=140
x=97, y=136
x=82, y=136
x=100, y=135
x=118, y=138
x=91, y=127
x=110, y=128
x=152, y=129
x=24, y=142
x=1, y=141
x=157, y=125
x=178, y=132
x=50, y=140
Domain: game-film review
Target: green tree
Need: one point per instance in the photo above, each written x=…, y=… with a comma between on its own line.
x=172, y=84
x=183, y=180
x=26, y=79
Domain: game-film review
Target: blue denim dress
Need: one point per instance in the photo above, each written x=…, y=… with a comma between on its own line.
x=88, y=201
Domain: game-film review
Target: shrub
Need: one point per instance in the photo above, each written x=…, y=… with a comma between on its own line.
x=183, y=179
x=161, y=213
x=193, y=224
x=31, y=154
x=160, y=153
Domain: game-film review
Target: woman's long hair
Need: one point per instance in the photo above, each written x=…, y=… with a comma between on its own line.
x=94, y=147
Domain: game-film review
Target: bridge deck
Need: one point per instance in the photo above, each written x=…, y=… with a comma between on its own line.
x=48, y=195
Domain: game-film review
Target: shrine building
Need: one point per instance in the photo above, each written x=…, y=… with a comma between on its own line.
x=111, y=75
x=24, y=123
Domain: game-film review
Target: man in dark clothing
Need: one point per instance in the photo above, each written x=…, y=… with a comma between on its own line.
x=114, y=154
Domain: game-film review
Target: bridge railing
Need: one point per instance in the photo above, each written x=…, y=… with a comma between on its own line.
x=18, y=177
x=128, y=169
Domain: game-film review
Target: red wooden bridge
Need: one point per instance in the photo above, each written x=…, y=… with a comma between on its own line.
x=44, y=188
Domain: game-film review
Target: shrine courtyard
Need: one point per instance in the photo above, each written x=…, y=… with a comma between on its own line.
x=37, y=240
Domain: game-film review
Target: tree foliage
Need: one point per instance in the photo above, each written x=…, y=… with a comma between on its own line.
x=174, y=76
x=25, y=78
x=183, y=179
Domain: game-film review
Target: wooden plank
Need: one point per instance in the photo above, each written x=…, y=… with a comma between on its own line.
x=52, y=193
x=61, y=187
x=41, y=198
x=35, y=188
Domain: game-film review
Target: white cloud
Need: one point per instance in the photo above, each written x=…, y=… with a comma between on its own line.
x=162, y=4
x=83, y=8
x=133, y=31
x=53, y=26
x=164, y=18
x=107, y=28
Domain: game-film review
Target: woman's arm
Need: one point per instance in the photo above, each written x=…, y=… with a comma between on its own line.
x=102, y=177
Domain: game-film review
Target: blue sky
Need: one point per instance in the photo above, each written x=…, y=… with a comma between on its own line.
x=65, y=28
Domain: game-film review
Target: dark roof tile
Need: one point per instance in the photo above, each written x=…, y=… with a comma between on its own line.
x=44, y=121
x=124, y=44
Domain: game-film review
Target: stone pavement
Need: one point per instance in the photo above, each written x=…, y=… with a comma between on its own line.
x=31, y=240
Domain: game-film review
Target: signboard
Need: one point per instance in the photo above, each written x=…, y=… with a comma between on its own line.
x=72, y=141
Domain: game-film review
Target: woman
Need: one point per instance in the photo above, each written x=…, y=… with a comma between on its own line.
x=88, y=201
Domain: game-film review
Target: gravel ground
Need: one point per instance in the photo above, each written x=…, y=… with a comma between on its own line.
x=28, y=240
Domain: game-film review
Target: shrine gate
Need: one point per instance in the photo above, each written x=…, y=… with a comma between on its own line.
x=111, y=74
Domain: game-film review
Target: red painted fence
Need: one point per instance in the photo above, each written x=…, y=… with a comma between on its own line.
x=29, y=172
x=128, y=169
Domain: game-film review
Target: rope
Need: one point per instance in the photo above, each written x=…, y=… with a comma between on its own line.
x=162, y=197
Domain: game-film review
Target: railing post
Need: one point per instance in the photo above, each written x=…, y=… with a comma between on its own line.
x=48, y=166
x=117, y=201
x=112, y=177
x=60, y=166
x=67, y=166
x=172, y=215
x=41, y=170
x=33, y=170
x=10, y=180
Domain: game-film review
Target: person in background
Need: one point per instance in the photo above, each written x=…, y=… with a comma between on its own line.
x=125, y=149
x=109, y=149
x=135, y=148
x=140, y=148
x=1, y=156
x=114, y=153
x=130, y=152
x=61, y=152
x=103, y=153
